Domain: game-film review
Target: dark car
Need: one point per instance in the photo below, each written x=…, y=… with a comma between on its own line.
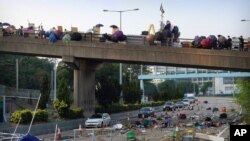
x=146, y=112
x=168, y=106
x=179, y=104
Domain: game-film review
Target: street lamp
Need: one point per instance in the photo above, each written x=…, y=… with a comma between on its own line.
x=243, y=20
x=120, y=11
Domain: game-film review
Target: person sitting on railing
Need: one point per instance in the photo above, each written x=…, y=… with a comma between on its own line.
x=166, y=37
x=117, y=35
x=41, y=32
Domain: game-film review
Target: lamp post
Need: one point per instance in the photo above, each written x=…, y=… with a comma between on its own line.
x=244, y=20
x=120, y=12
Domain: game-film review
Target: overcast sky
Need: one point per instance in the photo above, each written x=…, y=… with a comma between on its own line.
x=193, y=17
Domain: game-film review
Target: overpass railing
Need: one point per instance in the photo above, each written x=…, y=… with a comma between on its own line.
x=133, y=39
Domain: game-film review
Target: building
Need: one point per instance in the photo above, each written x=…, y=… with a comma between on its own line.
x=220, y=85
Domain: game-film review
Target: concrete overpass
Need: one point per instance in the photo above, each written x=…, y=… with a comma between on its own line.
x=85, y=57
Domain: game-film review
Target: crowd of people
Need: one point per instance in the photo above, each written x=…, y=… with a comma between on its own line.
x=219, y=42
x=167, y=36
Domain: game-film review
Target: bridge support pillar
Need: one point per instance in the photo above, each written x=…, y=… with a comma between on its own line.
x=84, y=86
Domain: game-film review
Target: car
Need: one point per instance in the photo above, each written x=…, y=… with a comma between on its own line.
x=192, y=99
x=179, y=104
x=98, y=120
x=146, y=112
x=168, y=106
x=186, y=102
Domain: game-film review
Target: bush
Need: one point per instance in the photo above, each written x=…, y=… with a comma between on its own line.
x=75, y=113
x=41, y=116
x=61, y=108
x=25, y=115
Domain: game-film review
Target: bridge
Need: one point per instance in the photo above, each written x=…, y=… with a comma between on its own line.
x=86, y=56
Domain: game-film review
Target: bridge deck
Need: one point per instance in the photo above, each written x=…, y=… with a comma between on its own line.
x=129, y=53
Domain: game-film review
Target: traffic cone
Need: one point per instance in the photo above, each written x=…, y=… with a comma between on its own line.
x=59, y=135
x=80, y=129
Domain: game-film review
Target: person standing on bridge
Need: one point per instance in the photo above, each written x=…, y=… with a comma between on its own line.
x=229, y=43
x=241, y=45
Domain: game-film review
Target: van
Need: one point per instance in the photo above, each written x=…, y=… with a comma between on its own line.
x=186, y=102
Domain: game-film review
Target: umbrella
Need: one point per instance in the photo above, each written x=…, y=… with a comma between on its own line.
x=28, y=137
x=99, y=25
x=5, y=24
x=114, y=26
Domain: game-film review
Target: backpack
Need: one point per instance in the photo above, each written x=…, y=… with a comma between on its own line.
x=76, y=36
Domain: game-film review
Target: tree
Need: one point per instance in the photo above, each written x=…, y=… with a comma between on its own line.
x=108, y=88
x=131, y=92
x=29, y=70
x=205, y=87
x=107, y=91
x=65, y=71
x=63, y=93
x=45, y=91
x=171, y=89
x=243, y=86
x=150, y=89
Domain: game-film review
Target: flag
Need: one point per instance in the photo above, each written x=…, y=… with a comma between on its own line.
x=161, y=9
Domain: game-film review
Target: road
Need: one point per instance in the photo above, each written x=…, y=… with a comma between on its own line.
x=200, y=109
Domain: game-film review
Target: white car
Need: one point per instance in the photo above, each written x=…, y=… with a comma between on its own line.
x=186, y=102
x=98, y=120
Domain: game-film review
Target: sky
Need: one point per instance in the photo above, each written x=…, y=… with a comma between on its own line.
x=193, y=17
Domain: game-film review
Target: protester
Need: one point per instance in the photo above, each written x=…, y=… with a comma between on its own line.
x=229, y=43
x=117, y=35
x=241, y=45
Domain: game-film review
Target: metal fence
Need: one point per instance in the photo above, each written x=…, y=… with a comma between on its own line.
x=21, y=93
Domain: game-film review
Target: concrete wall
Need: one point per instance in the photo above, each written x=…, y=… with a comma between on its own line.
x=139, y=54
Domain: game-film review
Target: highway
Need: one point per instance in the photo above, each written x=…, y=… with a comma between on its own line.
x=122, y=118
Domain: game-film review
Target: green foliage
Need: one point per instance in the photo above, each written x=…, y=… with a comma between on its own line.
x=61, y=107
x=244, y=97
x=205, y=87
x=150, y=89
x=30, y=70
x=63, y=93
x=41, y=116
x=131, y=92
x=186, y=86
x=25, y=115
x=107, y=84
x=45, y=91
x=171, y=89
x=65, y=72
x=75, y=113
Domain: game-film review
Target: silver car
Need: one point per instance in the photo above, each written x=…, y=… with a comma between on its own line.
x=98, y=120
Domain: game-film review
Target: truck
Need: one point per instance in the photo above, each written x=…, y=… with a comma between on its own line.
x=190, y=97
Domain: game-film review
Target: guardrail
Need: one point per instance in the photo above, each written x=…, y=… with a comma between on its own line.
x=136, y=40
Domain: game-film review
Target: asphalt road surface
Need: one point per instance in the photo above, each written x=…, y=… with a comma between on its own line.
x=200, y=110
